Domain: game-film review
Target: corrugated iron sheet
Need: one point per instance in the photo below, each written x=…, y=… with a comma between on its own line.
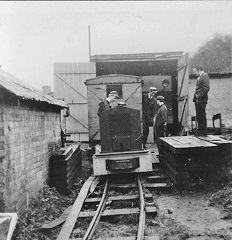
x=25, y=91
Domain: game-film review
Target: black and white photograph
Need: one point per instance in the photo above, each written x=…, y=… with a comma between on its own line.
x=116, y=120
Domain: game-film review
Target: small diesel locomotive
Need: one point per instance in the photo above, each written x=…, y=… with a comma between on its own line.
x=121, y=143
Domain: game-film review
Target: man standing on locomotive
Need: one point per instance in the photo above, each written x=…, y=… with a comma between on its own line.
x=149, y=106
x=160, y=120
x=200, y=99
x=107, y=103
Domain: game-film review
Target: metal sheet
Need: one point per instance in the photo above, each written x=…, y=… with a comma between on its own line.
x=25, y=91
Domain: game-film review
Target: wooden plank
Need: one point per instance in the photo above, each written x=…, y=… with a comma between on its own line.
x=156, y=185
x=190, y=141
x=116, y=212
x=123, y=186
x=214, y=139
x=157, y=178
x=76, y=208
x=171, y=143
x=126, y=238
x=58, y=220
x=94, y=184
x=161, y=176
x=117, y=198
x=119, y=153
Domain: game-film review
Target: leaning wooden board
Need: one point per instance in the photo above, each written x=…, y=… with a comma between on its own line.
x=68, y=226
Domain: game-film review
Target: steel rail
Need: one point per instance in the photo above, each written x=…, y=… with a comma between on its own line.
x=90, y=231
x=142, y=214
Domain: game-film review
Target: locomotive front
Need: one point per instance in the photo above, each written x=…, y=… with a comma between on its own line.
x=121, y=143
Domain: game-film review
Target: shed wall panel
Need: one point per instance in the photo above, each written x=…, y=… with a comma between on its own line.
x=69, y=85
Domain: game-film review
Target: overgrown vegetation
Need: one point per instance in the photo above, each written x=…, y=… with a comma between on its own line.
x=223, y=200
x=215, y=55
x=48, y=205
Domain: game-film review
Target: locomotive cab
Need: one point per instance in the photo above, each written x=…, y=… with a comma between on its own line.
x=121, y=143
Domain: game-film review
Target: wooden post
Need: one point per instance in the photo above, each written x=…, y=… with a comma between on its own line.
x=89, y=44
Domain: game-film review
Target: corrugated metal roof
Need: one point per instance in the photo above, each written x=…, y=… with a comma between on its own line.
x=137, y=56
x=25, y=91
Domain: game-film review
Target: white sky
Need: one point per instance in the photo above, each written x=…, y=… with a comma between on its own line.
x=34, y=35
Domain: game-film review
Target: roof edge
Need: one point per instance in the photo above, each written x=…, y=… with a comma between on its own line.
x=135, y=56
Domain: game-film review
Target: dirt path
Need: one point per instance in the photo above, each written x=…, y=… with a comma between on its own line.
x=192, y=211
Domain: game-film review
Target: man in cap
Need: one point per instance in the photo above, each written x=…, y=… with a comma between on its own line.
x=200, y=98
x=160, y=120
x=149, y=106
x=107, y=103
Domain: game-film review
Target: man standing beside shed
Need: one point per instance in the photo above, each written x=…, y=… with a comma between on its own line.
x=201, y=98
x=160, y=120
x=149, y=105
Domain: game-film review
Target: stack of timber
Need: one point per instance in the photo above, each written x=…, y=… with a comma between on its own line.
x=65, y=166
x=182, y=156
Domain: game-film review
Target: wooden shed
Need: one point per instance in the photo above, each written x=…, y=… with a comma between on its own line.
x=153, y=69
x=128, y=87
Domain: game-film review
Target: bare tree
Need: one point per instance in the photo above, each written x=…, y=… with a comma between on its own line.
x=214, y=55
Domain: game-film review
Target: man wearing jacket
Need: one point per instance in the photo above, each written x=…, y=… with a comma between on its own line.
x=160, y=120
x=200, y=98
x=107, y=103
x=149, y=105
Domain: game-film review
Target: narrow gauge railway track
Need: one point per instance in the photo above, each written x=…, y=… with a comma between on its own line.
x=83, y=198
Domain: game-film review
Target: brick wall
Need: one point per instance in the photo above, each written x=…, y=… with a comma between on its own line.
x=2, y=153
x=30, y=135
x=220, y=100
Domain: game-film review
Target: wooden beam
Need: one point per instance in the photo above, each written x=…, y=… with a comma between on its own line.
x=117, y=198
x=75, y=211
x=117, y=212
x=123, y=186
x=156, y=185
x=127, y=238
